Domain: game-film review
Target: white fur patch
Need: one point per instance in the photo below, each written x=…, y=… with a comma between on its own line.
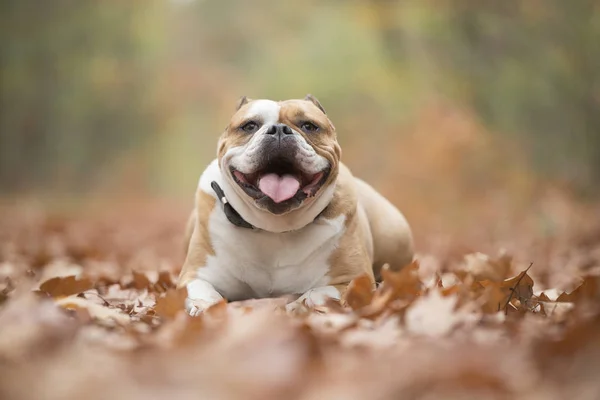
x=308, y=158
x=257, y=263
x=266, y=110
x=245, y=158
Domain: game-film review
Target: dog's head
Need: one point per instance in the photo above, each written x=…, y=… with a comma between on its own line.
x=279, y=156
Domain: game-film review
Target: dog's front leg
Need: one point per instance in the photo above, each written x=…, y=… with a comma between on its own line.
x=201, y=295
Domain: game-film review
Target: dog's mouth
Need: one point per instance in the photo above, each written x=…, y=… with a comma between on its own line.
x=280, y=181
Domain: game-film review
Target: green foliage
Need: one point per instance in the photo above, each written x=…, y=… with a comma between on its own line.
x=91, y=89
x=74, y=83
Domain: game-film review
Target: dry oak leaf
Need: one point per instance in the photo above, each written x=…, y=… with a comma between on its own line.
x=482, y=267
x=165, y=281
x=66, y=286
x=548, y=294
x=181, y=330
x=558, y=311
x=494, y=297
x=514, y=292
x=140, y=281
x=95, y=310
x=521, y=286
x=404, y=284
x=588, y=290
x=360, y=292
x=397, y=285
x=171, y=303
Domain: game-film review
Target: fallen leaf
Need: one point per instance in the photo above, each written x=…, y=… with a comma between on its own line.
x=140, y=281
x=360, y=292
x=494, y=297
x=513, y=293
x=67, y=286
x=558, y=311
x=483, y=267
x=165, y=280
x=404, y=283
x=171, y=303
x=587, y=291
x=95, y=310
x=519, y=287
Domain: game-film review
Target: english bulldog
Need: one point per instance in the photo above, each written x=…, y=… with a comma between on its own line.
x=277, y=213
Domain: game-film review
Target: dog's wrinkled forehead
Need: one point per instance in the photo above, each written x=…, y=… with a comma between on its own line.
x=289, y=112
x=268, y=112
x=262, y=111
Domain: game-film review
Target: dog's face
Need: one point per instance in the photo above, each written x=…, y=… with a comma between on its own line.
x=279, y=156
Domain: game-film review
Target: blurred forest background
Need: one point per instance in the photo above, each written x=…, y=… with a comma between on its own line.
x=455, y=109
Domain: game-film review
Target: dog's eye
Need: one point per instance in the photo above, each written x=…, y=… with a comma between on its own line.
x=250, y=127
x=309, y=127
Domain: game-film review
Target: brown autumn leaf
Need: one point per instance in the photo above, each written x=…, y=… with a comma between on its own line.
x=483, y=267
x=545, y=296
x=360, y=292
x=512, y=293
x=410, y=343
x=404, y=284
x=165, y=281
x=99, y=312
x=588, y=290
x=519, y=287
x=171, y=303
x=181, y=330
x=140, y=281
x=66, y=286
x=558, y=311
x=494, y=297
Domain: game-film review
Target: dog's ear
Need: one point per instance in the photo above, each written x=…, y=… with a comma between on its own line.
x=243, y=100
x=313, y=99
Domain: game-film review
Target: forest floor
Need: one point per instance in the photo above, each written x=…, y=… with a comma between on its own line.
x=89, y=309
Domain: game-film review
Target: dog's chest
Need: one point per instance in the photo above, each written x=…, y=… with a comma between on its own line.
x=253, y=263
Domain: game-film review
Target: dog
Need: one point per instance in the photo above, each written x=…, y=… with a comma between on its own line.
x=277, y=213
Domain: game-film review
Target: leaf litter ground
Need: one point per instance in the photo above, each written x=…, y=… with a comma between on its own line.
x=89, y=309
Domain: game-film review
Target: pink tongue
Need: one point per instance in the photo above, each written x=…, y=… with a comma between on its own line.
x=279, y=188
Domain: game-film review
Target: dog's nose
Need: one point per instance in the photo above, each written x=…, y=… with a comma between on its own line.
x=279, y=129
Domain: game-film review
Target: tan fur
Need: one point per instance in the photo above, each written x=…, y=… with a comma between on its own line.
x=197, y=237
x=353, y=257
x=392, y=237
x=376, y=232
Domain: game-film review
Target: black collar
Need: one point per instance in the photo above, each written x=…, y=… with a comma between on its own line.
x=233, y=216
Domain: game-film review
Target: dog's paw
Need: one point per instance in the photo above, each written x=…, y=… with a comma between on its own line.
x=195, y=307
x=313, y=298
x=201, y=296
